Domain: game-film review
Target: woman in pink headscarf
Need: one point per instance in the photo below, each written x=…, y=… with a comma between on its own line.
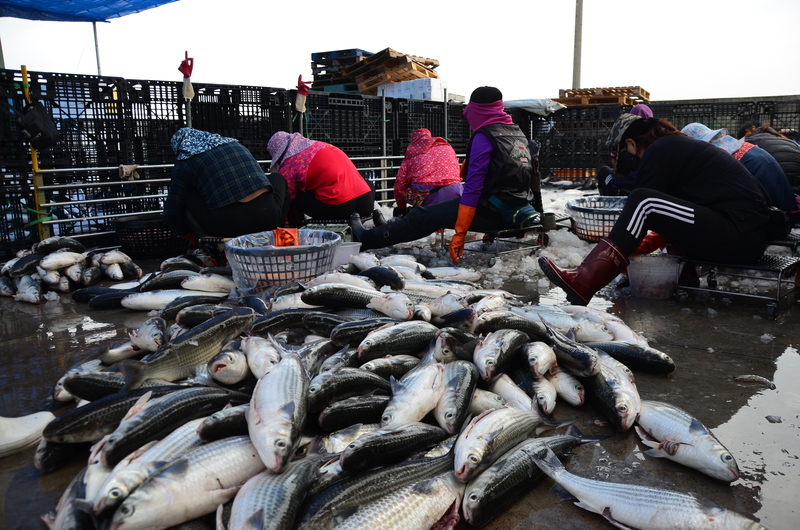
x=429, y=172
x=322, y=182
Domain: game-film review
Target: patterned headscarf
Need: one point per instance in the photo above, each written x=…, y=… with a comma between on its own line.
x=718, y=137
x=421, y=142
x=188, y=142
x=284, y=145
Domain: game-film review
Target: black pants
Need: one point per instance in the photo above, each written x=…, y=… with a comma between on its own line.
x=422, y=221
x=308, y=204
x=266, y=212
x=703, y=233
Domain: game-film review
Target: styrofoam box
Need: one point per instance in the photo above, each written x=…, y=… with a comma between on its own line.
x=428, y=89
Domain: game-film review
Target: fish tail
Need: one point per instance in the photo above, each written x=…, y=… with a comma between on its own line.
x=546, y=459
x=573, y=430
x=134, y=373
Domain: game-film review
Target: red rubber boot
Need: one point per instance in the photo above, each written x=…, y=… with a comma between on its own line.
x=601, y=266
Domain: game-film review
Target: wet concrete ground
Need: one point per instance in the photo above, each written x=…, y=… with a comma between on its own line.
x=40, y=342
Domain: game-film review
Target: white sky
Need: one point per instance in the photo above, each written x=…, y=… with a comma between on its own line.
x=675, y=49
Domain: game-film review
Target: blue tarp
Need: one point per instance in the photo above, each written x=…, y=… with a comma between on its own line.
x=75, y=10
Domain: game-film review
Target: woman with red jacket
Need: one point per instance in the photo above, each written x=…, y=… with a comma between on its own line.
x=322, y=181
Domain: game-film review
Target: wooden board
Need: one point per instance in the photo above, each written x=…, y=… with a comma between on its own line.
x=404, y=72
x=635, y=93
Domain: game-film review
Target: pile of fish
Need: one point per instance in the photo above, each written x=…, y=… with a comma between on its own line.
x=61, y=264
x=380, y=395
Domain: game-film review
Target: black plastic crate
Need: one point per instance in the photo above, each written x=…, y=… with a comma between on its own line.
x=147, y=237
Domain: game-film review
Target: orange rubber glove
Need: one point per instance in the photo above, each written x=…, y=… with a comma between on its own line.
x=465, y=216
x=286, y=237
x=651, y=242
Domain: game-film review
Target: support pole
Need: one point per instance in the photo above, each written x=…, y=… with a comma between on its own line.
x=96, y=47
x=576, y=58
x=38, y=194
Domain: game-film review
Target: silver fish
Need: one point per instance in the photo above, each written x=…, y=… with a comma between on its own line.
x=567, y=386
x=215, y=283
x=483, y=400
x=114, y=257
x=451, y=411
x=157, y=300
x=418, y=505
x=150, y=336
x=673, y=433
x=540, y=357
x=514, y=396
x=229, y=367
x=278, y=411
x=142, y=464
x=191, y=486
x=414, y=395
x=271, y=502
x=261, y=353
x=197, y=346
x=646, y=508
x=488, y=436
x=61, y=260
x=394, y=305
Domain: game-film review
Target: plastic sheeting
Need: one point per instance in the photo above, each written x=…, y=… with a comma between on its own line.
x=541, y=107
x=75, y=10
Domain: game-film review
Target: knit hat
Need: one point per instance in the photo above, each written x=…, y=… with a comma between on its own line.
x=642, y=110
x=618, y=131
x=486, y=94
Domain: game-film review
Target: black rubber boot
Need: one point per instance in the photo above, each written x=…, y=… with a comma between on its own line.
x=378, y=237
x=378, y=219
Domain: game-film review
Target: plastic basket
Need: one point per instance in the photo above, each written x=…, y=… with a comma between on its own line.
x=595, y=216
x=257, y=264
x=148, y=236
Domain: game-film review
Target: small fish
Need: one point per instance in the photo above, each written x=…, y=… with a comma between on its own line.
x=632, y=506
x=229, y=367
x=394, y=305
x=750, y=378
x=150, y=336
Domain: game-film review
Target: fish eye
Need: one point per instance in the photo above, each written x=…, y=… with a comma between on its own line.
x=127, y=510
x=473, y=496
x=114, y=493
x=280, y=444
x=386, y=418
x=449, y=416
x=367, y=342
x=623, y=408
x=490, y=362
x=352, y=445
x=446, y=351
x=727, y=457
x=474, y=459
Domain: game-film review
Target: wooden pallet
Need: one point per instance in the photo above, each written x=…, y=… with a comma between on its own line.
x=635, y=93
x=575, y=101
x=405, y=71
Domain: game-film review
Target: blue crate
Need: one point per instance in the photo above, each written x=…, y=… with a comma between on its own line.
x=339, y=54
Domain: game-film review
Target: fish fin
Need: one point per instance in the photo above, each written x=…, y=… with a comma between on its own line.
x=572, y=430
x=179, y=466
x=494, y=434
x=396, y=385
x=255, y=521
x=342, y=516
x=450, y=518
x=138, y=406
x=607, y=514
x=49, y=519
x=546, y=459
x=219, y=524
x=697, y=428
x=644, y=435
x=134, y=373
x=288, y=408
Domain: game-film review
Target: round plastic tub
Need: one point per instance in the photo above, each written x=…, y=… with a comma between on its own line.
x=653, y=276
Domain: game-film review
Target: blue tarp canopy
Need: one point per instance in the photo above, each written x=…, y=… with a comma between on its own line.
x=75, y=10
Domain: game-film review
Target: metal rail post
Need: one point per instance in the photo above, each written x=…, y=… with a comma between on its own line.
x=36, y=177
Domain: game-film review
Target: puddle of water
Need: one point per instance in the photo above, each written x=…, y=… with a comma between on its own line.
x=770, y=452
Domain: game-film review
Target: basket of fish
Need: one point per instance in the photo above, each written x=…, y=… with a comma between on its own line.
x=594, y=216
x=148, y=236
x=257, y=263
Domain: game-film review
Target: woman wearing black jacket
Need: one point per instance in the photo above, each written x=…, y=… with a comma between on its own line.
x=694, y=194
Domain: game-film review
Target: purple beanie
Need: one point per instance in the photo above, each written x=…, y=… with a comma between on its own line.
x=641, y=110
